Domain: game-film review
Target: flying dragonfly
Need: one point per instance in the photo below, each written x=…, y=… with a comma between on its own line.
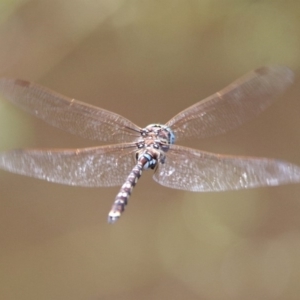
x=152, y=147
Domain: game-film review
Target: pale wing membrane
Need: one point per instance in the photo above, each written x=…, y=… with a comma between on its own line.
x=90, y=167
x=237, y=103
x=208, y=172
x=71, y=115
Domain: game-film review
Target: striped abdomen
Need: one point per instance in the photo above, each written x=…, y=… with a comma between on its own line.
x=146, y=159
x=124, y=194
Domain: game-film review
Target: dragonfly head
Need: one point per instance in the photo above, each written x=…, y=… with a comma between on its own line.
x=159, y=132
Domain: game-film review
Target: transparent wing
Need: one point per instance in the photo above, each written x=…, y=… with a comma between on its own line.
x=237, y=103
x=193, y=170
x=69, y=114
x=90, y=167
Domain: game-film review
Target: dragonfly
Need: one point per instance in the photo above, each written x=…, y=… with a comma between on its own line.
x=132, y=149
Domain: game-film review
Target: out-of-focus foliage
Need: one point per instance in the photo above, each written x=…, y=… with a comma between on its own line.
x=147, y=60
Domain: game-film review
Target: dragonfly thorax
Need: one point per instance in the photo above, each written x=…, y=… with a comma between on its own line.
x=149, y=153
x=154, y=142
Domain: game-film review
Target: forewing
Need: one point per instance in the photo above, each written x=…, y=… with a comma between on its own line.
x=237, y=103
x=68, y=114
x=193, y=170
x=90, y=167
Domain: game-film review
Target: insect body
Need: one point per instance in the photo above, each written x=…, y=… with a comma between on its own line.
x=152, y=146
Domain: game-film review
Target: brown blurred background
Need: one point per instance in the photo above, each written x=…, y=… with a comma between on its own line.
x=147, y=60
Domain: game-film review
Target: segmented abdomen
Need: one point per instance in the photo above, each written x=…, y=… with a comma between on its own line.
x=125, y=192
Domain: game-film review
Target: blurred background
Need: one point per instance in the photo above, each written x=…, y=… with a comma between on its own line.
x=148, y=60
